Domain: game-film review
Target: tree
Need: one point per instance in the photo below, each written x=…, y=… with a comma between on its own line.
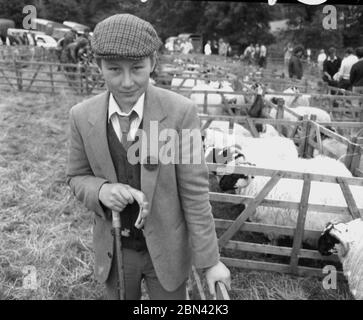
x=236, y=22
x=60, y=11
x=13, y=10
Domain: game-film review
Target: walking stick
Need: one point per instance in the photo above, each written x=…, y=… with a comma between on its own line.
x=116, y=225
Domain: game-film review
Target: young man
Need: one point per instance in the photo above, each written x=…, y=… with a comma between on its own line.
x=356, y=73
x=331, y=66
x=103, y=174
x=343, y=75
x=295, y=64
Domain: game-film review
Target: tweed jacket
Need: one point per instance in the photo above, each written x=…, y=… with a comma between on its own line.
x=180, y=229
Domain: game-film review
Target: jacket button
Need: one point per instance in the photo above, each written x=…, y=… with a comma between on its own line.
x=109, y=255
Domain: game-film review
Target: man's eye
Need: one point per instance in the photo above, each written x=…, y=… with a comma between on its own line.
x=113, y=69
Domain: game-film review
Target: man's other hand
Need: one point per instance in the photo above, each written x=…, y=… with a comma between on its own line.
x=115, y=196
x=218, y=272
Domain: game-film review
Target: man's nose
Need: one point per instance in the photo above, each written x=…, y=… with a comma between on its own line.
x=126, y=80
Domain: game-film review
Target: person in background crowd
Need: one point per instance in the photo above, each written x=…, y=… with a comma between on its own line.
x=229, y=49
x=86, y=34
x=187, y=46
x=25, y=39
x=295, y=65
x=308, y=55
x=331, y=66
x=71, y=53
x=263, y=57
x=249, y=53
x=343, y=75
x=220, y=47
x=287, y=56
x=356, y=73
x=207, y=48
x=169, y=46
x=215, y=48
x=177, y=45
x=321, y=58
x=257, y=54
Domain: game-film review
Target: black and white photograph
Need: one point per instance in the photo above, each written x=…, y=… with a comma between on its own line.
x=181, y=150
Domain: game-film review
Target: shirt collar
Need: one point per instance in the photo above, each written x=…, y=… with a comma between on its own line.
x=330, y=59
x=113, y=107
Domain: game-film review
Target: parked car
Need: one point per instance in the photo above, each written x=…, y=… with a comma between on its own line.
x=51, y=28
x=5, y=24
x=45, y=41
x=16, y=36
x=79, y=28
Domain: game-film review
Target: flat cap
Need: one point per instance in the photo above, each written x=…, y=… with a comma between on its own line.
x=124, y=36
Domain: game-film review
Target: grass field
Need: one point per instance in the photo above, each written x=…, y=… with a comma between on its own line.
x=43, y=226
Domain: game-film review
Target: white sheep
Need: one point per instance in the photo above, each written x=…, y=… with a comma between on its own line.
x=214, y=99
x=321, y=115
x=348, y=240
x=338, y=148
x=322, y=193
x=177, y=82
x=291, y=101
x=269, y=143
x=262, y=151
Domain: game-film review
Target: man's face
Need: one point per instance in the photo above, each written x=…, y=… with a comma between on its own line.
x=127, y=79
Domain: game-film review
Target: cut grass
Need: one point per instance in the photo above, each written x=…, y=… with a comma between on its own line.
x=43, y=225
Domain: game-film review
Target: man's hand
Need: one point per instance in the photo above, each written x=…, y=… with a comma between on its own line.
x=115, y=196
x=218, y=272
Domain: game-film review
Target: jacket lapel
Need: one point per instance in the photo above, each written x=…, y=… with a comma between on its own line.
x=97, y=136
x=153, y=124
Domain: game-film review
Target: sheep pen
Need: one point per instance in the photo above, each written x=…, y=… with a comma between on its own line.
x=42, y=225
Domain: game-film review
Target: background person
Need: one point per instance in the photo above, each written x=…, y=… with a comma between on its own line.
x=343, y=75
x=331, y=66
x=356, y=73
x=321, y=58
x=295, y=65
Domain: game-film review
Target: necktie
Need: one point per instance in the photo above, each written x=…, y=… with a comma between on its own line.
x=125, y=123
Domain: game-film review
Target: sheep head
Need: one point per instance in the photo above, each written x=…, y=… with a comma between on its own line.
x=234, y=181
x=338, y=238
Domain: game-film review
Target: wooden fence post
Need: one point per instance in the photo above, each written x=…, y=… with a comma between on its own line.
x=51, y=78
x=280, y=113
x=309, y=150
x=87, y=72
x=352, y=159
x=205, y=103
x=18, y=75
x=250, y=209
x=300, y=224
x=303, y=136
x=80, y=79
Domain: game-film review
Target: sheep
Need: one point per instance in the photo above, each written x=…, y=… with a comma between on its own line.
x=177, y=82
x=291, y=101
x=348, y=239
x=338, y=148
x=232, y=98
x=321, y=115
x=262, y=151
x=215, y=98
x=290, y=190
x=220, y=136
